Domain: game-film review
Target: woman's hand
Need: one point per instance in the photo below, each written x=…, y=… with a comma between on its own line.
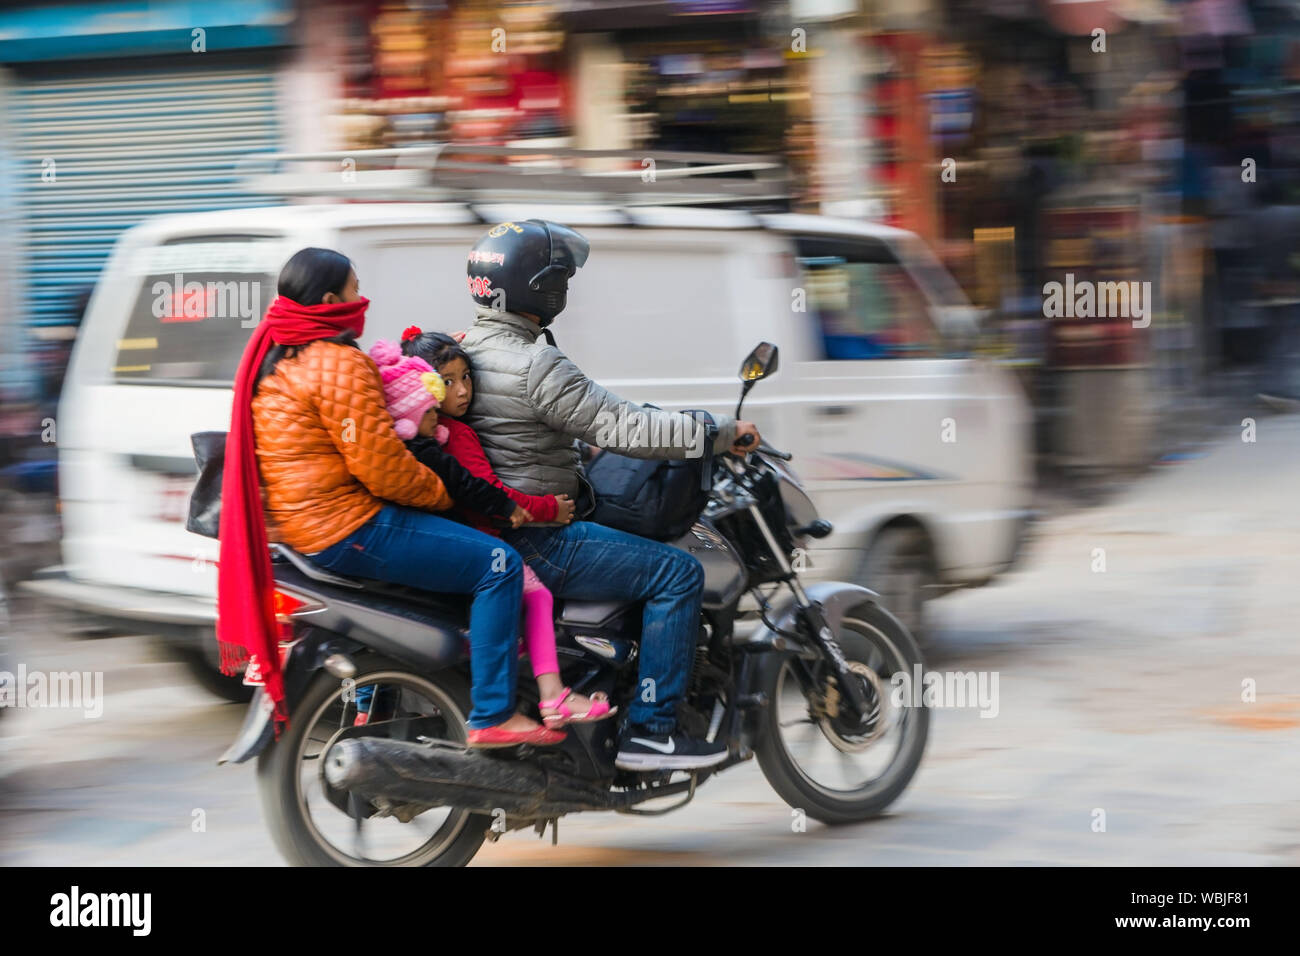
x=564, y=509
x=520, y=516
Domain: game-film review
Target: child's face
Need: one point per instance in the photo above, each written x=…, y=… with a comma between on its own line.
x=460, y=387
x=428, y=423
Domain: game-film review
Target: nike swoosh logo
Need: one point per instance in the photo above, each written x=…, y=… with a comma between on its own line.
x=653, y=745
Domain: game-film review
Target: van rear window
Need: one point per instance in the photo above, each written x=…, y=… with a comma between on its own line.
x=197, y=305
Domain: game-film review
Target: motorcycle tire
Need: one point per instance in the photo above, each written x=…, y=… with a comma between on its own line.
x=278, y=772
x=865, y=626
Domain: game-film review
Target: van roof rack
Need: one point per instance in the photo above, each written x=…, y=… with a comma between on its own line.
x=474, y=173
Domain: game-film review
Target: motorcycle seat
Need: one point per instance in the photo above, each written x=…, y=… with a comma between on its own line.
x=592, y=613
x=415, y=603
x=349, y=589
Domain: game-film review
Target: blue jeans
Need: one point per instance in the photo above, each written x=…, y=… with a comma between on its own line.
x=422, y=550
x=588, y=561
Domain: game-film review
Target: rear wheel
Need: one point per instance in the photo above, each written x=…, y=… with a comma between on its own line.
x=315, y=825
x=812, y=756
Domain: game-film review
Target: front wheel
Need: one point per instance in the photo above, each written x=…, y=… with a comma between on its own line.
x=813, y=758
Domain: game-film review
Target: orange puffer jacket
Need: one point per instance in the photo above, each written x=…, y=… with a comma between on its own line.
x=326, y=450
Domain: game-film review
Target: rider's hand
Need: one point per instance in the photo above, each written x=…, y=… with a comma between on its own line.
x=742, y=429
x=520, y=516
x=563, y=509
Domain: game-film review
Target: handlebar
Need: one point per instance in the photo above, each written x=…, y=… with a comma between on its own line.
x=744, y=441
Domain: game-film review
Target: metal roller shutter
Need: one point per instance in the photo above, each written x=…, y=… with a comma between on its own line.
x=125, y=147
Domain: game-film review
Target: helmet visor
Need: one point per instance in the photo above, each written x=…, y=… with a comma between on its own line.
x=568, y=247
x=569, y=250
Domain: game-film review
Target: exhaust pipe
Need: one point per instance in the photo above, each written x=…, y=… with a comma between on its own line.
x=437, y=775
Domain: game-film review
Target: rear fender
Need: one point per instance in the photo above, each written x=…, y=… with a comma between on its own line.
x=305, y=659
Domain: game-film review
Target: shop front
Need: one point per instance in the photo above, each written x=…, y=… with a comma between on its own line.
x=113, y=113
x=1056, y=122
x=475, y=71
x=714, y=76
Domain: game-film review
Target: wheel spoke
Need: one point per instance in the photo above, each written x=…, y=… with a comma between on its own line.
x=795, y=723
x=813, y=732
x=359, y=822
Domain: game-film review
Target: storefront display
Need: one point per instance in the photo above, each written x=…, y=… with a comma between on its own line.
x=709, y=94
x=433, y=72
x=902, y=135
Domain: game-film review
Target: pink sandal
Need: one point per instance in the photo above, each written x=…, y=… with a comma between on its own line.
x=599, y=709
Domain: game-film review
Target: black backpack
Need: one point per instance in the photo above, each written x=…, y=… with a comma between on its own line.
x=658, y=498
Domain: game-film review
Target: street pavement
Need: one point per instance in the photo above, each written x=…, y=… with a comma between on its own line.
x=1122, y=646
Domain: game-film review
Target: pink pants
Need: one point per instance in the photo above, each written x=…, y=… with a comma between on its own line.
x=539, y=625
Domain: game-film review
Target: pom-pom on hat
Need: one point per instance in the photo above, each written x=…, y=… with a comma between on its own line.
x=411, y=388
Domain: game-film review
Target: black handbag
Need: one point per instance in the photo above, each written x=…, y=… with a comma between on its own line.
x=657, y=498
x=205, y=500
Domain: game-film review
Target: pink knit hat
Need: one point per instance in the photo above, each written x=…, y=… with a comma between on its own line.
x=411, y=388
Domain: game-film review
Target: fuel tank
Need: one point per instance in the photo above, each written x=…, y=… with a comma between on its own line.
x=724, y=574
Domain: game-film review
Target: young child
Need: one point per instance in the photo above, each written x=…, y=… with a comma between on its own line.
x=413, y=390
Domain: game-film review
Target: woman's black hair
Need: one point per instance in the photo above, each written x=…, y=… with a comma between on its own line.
x=311, y=273
x=436, y=348
x=306, y=278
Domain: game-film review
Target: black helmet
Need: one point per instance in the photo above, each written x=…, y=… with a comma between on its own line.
x=525, y=267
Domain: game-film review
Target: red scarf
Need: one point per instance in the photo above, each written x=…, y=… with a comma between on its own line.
x=246, y=622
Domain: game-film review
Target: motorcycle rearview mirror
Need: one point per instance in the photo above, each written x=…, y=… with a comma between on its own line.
x=759, y=364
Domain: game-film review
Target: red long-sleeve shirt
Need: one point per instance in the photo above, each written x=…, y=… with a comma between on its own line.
x=463, y=445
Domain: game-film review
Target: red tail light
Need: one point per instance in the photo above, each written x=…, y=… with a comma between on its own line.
x=287, y=606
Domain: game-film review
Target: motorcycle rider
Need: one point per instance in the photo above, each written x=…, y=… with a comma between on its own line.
x=530, y=403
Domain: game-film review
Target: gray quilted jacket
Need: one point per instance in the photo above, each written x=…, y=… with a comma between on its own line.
x=530, y=403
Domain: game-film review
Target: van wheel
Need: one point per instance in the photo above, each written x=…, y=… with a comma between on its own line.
x=899, y=566
x=212, y=680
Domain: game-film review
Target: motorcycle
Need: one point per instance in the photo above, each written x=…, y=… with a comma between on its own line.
x=373, y=767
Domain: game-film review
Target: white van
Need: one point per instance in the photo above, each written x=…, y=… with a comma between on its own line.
x=916, y=451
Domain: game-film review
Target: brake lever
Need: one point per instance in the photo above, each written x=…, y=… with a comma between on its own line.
x=744, y=441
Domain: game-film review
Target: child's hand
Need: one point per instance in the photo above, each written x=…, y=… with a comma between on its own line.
x=563, y=509
x=520, y=516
